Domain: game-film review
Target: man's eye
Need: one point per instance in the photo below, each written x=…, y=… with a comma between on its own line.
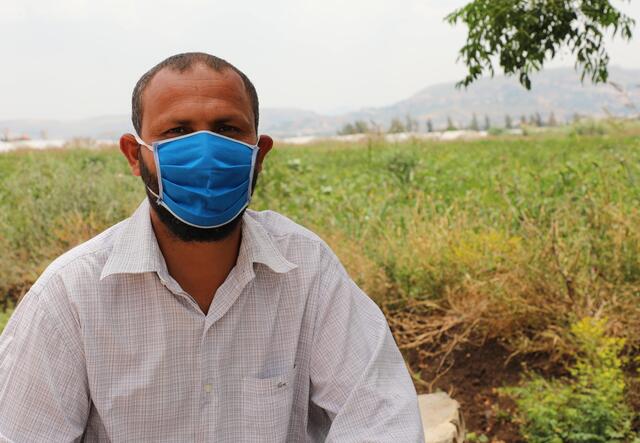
x=227, y=128
x=178, y=130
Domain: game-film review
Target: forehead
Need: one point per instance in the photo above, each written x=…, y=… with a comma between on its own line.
x=199, y=84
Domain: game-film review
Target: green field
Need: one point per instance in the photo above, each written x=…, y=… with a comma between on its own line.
x=514, y=239
x=4, y=318
x=529, y=231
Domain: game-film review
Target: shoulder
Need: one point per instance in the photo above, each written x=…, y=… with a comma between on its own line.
x=76, y=271
x=278, y=225
x=83, y=262
x=297, y=243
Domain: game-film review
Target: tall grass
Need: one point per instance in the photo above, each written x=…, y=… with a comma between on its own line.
x=50, y=201
x=513, y=238
x=4, y=318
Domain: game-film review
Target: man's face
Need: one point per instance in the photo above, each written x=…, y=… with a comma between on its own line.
x=177, y=103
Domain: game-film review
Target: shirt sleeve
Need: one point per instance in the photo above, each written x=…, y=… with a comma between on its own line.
x=358, y=375
x=44, y=393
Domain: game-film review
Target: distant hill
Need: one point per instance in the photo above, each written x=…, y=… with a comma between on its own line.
x=109, y=127
x=554, y=90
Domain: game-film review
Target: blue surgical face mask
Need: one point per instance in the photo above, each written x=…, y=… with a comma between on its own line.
x=204, y=178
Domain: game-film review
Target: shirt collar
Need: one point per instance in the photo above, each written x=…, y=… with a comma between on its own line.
x=136, y=249
x=257, y=246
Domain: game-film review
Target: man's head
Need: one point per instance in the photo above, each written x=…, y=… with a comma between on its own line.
x=183, y=94
x=181, y=63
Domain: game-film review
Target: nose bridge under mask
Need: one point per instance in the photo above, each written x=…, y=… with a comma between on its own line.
x=167, y=140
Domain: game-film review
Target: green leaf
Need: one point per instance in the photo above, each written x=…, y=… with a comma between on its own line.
x=520, y=36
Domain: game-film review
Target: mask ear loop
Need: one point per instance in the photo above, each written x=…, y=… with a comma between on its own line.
x=254, y=157
x=155, y=159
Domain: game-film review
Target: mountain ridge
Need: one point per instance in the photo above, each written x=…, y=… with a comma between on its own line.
x=555, y=90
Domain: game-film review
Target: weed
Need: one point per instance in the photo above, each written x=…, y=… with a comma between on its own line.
x=4, y=318
x=479, y=438
x=512, y=238
x=587, y=407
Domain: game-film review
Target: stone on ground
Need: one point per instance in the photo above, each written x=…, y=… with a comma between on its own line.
x=441, y=418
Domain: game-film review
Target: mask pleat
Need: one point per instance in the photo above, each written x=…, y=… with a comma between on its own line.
x=205, y=177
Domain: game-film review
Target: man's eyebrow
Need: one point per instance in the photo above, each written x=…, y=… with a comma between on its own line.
x=218, y=119
x=170, y=123
x=163, y=125
x=230, y=118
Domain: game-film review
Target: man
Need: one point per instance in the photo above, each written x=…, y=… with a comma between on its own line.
x=196, y=319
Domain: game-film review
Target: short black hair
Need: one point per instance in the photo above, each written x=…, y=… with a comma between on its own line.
x=183, y=62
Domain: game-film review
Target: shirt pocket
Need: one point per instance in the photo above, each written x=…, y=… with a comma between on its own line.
x=266, y=407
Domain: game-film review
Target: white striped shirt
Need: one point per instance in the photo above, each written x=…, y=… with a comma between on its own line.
x=106, y=346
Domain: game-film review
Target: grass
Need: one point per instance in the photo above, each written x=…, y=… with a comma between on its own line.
x=511, y=238
x=4, y=318
x=588, y=406
x=50, y=201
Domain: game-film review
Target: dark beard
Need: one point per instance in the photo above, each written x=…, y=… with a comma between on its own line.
x=178, y=228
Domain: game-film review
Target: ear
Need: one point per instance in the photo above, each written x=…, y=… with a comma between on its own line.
x=265, y=143
x=131, y=149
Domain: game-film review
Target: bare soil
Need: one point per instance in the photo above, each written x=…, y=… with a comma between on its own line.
x=474, y=374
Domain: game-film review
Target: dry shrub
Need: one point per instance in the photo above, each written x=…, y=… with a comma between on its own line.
x=368, y=275
x=411, y=255
x=454, y=279
x=68, y=230
x=73, y=228
x=16, y=278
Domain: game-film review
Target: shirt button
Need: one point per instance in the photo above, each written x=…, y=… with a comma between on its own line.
x=208, y=388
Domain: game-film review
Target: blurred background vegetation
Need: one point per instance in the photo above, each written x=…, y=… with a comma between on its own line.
x=513, y=239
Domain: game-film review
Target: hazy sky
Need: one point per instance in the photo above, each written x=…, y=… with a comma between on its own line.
x=80, y=58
